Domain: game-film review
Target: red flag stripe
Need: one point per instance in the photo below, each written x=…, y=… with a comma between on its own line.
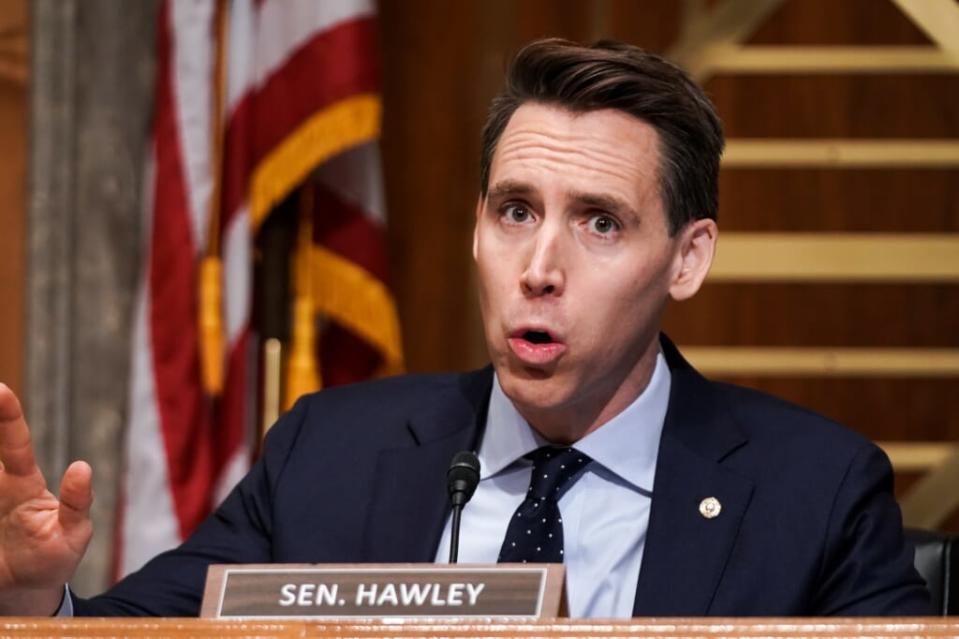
x=232, y=429
x=238, y=161
x=346, y=358
x=332, y=65
x=184, y=416
x=282, y=26
x=346, y=229
x=293, y=93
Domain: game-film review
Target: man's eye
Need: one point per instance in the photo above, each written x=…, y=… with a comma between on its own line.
x=603, y=224
x=516, y=213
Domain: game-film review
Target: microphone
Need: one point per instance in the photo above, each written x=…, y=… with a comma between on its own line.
x=461, y=480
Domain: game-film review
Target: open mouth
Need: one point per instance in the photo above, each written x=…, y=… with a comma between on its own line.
x=536, y=347
x=538, y=337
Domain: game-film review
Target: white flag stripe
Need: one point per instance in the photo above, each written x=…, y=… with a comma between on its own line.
x=192, y=62
x=150, y=522
x=241, y=35
x=239, y=462
x=356, y=177
x=237, y=262
x=234, y=471
x=283, y=26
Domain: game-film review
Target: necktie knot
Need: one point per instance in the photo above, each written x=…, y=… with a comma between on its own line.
x=553, y=468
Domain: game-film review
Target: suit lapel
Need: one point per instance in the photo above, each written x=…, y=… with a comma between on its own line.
x=409, y=505
x=685, y=551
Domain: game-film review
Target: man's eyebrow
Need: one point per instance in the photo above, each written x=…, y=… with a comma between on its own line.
x=508, y=188
x=515, y=188
x=605, y=202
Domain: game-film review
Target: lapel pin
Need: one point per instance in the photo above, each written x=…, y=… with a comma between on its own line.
x=710, y=508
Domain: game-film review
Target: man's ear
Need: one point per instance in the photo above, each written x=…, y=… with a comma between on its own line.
x=697, y=245
x=479, y=212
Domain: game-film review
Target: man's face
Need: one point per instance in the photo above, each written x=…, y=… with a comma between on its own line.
x=575, y=264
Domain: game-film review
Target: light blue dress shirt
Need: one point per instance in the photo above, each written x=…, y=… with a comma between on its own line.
x=605, y=513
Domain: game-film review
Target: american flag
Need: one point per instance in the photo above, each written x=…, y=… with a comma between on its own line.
x=254, y=98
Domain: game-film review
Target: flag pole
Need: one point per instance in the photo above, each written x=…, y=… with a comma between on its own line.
x=272, y=383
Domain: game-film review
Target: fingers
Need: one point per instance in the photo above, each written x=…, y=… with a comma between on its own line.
x=16, y=450
x=76, y=494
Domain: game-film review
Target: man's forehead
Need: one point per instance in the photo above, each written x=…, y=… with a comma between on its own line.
x=594, y=155
x=563, y=121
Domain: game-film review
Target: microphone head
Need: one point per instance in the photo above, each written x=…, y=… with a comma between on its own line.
x=462, y=477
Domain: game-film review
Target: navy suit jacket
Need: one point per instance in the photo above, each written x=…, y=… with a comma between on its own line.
x=808, y=525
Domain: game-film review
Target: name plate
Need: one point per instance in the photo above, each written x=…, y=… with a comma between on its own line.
x=345, y=591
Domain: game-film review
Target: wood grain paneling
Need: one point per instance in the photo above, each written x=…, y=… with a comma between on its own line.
x=570, y=19
x=881, y=409
x=650, y=24
x=824, y=200
x=840, y=106
x=773, y=628
x=799, y=314
x=13, y=173
x=827, y=22
x=429, y=145
x=906, y=481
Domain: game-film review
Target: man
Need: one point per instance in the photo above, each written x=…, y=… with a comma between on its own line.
x=665, y=494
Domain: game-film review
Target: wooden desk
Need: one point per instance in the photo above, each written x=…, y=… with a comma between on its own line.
x=20, y=627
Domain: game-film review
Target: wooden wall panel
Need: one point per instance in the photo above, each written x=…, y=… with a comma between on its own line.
x=837, y=106
x=818, y=314
x=847, y=201
x=431, y=119
x=570, y=19
x=826, y=22
x=13, y=162
x=883, y=409
x=651, y=24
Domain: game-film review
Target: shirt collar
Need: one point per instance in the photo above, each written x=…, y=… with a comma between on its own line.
x=626, y=445
x=507, y=436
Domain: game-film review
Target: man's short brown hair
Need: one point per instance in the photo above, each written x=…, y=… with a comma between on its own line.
x=614, y=75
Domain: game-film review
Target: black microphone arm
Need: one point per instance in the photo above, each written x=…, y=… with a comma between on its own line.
x=461, y=481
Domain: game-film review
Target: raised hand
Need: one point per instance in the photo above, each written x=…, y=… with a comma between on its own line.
x=42, y=538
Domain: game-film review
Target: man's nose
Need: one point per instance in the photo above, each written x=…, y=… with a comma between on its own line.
x=545, y=273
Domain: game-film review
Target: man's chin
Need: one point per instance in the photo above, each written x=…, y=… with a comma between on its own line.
x=535, y=390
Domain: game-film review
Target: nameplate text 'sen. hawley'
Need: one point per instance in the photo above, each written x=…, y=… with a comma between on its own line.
x=270, y=591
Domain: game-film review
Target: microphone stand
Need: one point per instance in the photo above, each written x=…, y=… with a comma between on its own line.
x=462, y=478
x=455, y=533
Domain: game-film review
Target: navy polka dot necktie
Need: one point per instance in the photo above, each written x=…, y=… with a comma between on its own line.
x=535, y=532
